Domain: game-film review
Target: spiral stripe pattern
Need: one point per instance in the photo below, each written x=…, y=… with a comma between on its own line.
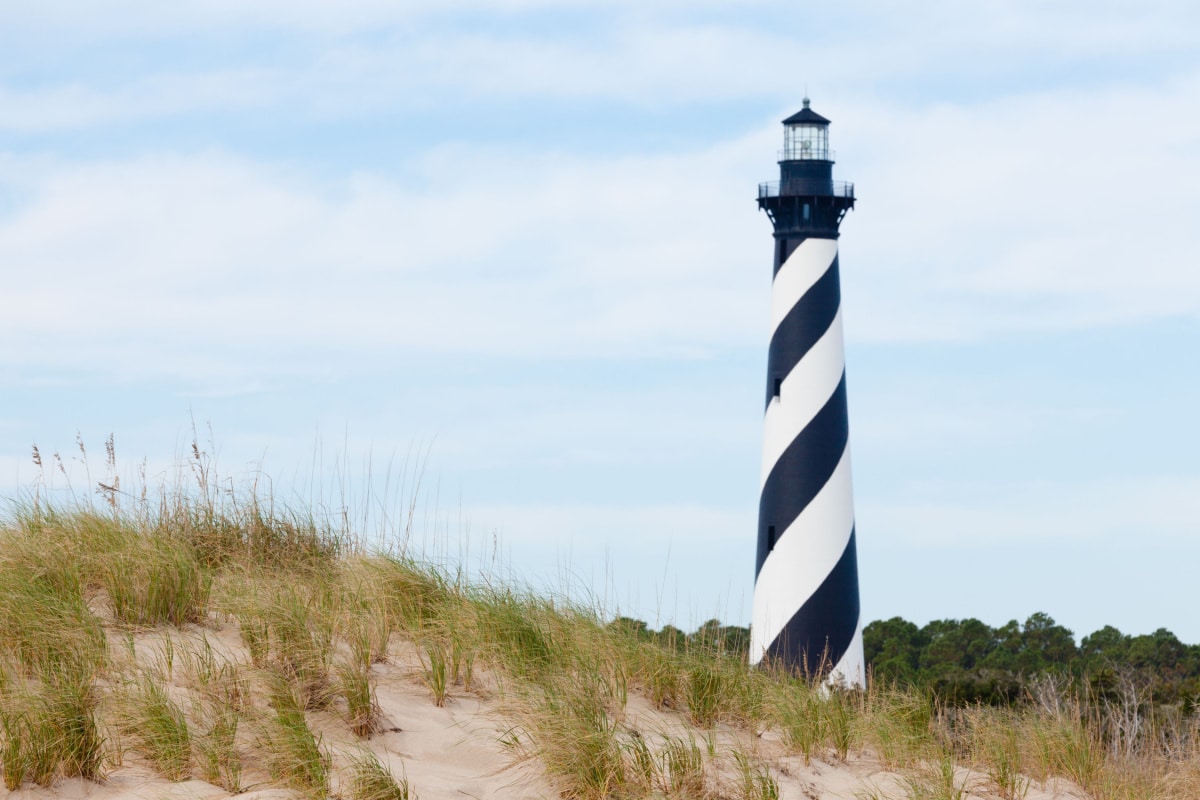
x=806, y=603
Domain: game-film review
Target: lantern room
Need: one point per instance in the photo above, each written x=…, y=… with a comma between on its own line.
x=806, y=136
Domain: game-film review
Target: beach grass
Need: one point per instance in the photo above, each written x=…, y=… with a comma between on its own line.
x=315, y=610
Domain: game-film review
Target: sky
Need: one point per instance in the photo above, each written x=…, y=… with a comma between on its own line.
x=500, y=263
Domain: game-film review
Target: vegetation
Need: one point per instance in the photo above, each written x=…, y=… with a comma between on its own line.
x=110, y=616
x=966, y=661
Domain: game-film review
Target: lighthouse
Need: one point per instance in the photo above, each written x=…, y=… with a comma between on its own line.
x=806, y=604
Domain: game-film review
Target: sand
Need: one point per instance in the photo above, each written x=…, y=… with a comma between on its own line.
x=456, y=751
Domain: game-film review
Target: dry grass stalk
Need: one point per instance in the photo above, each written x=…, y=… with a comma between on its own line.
x=315, y=615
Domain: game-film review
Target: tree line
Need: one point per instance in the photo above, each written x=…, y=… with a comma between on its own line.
x=968, y=661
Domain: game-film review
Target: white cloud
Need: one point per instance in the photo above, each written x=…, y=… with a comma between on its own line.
x=80, y=105
x=1020, y=214
x=180, y=265
x=1161, y=508
x=316, y=18
x=423, y=70
x=944, y=418
x=1058, y=210
x=321, y=59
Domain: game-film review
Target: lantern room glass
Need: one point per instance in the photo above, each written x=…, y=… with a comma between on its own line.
x=805, y=142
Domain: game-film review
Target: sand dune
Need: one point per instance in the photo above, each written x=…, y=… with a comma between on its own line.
x=464, y=749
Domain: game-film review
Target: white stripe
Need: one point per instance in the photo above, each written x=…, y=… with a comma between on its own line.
x=803, y=268
x=803, y=557
x=851, y=670
x=802, y=394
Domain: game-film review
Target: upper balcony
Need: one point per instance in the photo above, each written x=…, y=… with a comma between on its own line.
x=772, y=189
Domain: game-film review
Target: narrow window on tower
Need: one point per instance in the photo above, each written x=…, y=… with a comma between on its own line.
x=770, y=538
x=807, y=213
x=782, y=250
x=778, y=386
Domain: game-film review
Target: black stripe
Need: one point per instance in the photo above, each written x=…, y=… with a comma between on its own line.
x=803, y=326
x=819, y=633
x=803, y=469
x=785, y=246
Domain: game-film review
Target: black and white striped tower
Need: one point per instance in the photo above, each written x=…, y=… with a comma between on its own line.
x=806, y=608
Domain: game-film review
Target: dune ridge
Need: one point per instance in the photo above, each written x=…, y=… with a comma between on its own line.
x=211, y=646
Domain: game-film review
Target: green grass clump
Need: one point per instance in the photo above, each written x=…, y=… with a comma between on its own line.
x=294, y=754
x=45, y=621
x=899, y=725
x=153, y=582
x=754, y=781
x=253, y=533
x=221, y=699
x=435, y=668
x=996, y=742
x=49, y=730
x=802, y=721
x=216, y=745
x=158, y=726
x=567, y=726
x=527, y=637
x=1067, y=747
x=937, y=781
x=56, y=648
x=658, y=671
x=288, y=628
x=817, y=720
x=842, y=713
x=705, y=688
x=682, y=767
x=366, y=627
x=354, y=685
x=371, y=780
x=149, y=579
x=411, y=595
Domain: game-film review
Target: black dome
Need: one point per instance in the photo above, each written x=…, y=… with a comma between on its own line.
x=806, y=116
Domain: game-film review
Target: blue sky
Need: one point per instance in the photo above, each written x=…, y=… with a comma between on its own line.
x=514, y=245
